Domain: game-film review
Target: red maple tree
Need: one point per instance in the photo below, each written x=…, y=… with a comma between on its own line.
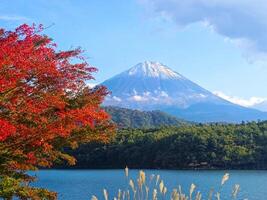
x=44, y=106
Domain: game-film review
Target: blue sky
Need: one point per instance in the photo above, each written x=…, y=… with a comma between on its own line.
x=204, y=40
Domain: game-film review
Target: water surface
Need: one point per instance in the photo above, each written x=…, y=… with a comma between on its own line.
x=82, y=184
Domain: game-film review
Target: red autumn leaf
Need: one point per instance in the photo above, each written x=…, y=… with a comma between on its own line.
x=44, y=102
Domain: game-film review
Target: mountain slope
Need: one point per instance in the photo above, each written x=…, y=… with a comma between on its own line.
x=127, y=118
x=154, y=86
x=262, y=106
x=208, y=112
x=150, y=84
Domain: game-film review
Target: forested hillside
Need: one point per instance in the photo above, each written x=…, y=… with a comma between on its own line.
x=219, y=146
x=125, y=118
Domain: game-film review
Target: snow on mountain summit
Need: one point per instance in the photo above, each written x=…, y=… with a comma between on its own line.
x=154, y=86
x=153, y=69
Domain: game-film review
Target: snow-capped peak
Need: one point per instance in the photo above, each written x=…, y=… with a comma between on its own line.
x=153, y=69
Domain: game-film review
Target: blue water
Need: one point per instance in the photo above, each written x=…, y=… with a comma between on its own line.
x=82, y=184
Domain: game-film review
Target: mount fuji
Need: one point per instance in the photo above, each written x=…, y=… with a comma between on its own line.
x=154, y=86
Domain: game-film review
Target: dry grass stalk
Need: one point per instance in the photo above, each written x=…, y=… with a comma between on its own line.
x=198, y=196
x=151, y=177
x=161, y=186
x=142, y=177
x=139, y=183
x=225, y=178
x=180, y=190
x=235, y=190
x=211, y=194
x=94, y=197
x=123, y=195
x=128, y=195
x=131, y=183
x=126, y=171
x=192, y=188
x=164, y=191
x=119, y=194
x=157, y=179
x=154, y=196
x=176, y=194
x=218, y=196
x=147, y=192
x=105, y=193
x=134, y=195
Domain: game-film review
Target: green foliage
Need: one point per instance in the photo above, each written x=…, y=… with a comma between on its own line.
x=126, y=118
x=219, y=146
x=17, y=186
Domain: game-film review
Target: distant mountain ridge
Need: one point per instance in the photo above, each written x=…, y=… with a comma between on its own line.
x=154, y=86
x=127, y=118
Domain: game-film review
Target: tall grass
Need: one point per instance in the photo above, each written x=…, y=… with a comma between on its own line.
x=153, y=188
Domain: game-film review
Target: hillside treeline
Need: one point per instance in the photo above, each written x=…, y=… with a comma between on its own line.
x=125, y=118
x=219, y=146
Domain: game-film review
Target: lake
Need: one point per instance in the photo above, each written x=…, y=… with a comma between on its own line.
x=82, y=184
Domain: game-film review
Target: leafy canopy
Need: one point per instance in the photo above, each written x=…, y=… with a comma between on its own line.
x=44, y=106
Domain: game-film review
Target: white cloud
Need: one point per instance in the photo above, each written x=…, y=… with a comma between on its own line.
x=134, y=91
x=202, y=95
x=147, y=93
x=13, y=18
x=116, y=98
x=164, y=94
x=251, y=102
x=138, y=98
x=149, y=97
x=91, y=85
x=242, y=21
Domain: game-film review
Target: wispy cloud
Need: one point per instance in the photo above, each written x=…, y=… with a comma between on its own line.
x=251, y=102
x=241, y=21
x=13, y=18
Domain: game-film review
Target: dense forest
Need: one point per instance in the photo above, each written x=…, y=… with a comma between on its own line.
x=206, y=146
x=126, y=118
